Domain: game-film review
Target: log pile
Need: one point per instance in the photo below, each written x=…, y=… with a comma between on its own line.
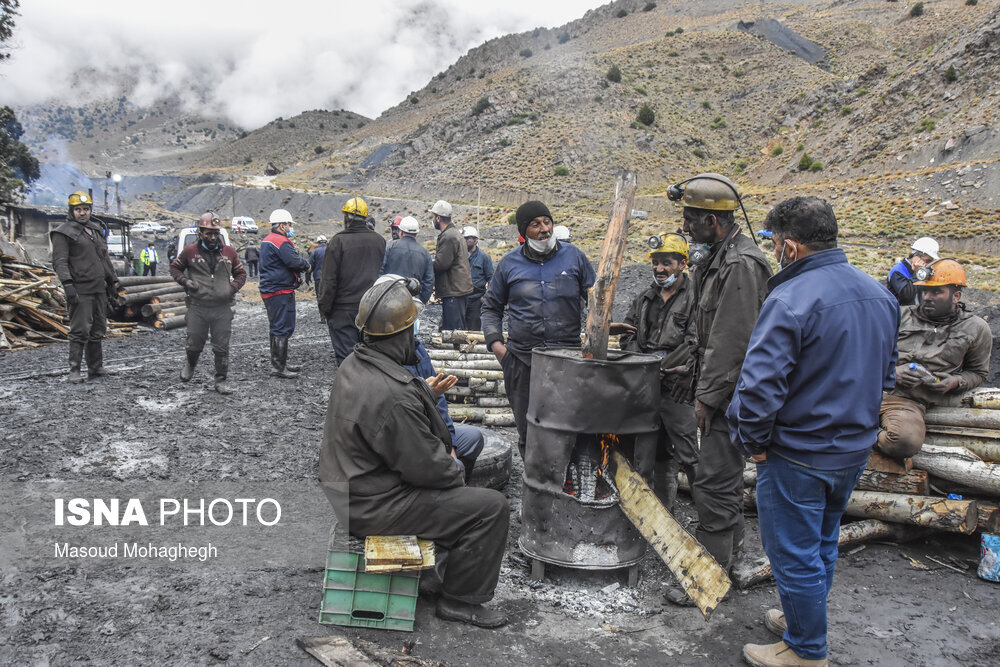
x=951, y=485
x=479, y=395
x=155, y=300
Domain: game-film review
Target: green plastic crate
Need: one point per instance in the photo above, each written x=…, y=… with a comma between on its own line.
x=351, y=596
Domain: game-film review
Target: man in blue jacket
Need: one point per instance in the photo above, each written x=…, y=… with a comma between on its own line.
x=482, y=271
x=806, y=410
x=406, y=257
x=543, y=285
x=901, y=276
x=280, y=269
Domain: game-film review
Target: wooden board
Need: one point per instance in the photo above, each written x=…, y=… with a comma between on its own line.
x=699, y=574
x=334, y=651
x=427, y=560
x=392, y=550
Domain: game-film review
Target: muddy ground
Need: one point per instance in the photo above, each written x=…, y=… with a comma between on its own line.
x=140, y=427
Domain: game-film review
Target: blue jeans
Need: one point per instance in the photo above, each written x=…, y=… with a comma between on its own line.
x=799, y=511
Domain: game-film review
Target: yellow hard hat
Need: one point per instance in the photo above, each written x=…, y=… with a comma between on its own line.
x=669, y=242
x=942, y=272
x=356, y=206
x=79, y=198
x=714, y=192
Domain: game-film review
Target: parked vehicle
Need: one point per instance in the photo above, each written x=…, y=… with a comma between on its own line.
x=244, y=225
x=120, y=252
x=189, y=235
x=149, y=227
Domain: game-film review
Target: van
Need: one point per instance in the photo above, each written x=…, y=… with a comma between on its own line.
x=242, y=224
x=189, y=235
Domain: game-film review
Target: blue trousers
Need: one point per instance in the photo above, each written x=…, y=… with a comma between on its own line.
x=453, y=312
x=343, y=333
x=281, y=314
x=799, y=511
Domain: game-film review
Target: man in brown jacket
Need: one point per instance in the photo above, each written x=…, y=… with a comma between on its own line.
x=212, y=274
x=452, y=273
x=730, y=281
x=660, y=322
x=388, y=465
x=943, y=350
x=80, y=259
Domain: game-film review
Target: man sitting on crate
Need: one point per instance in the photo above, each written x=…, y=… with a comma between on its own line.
x=949, y=347
x=387, y=449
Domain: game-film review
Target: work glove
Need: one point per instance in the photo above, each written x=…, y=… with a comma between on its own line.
x=71, y=295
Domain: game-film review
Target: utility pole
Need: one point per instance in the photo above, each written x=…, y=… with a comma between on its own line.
x=117, y=178
x=107, y=175
x=232, y=181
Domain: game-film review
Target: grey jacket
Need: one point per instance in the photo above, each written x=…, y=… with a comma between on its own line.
x=81, y=259
x=452, y=273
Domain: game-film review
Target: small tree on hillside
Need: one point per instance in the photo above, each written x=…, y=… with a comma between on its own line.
x=646, y=115
x=917, y=9
x=614, y=74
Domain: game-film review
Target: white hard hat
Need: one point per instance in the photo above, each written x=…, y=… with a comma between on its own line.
x=470, y=231
x=320, y=239
x=409, y=225
x=926, y=245
x=279, y=216
x=442, y=208
x=561, y=232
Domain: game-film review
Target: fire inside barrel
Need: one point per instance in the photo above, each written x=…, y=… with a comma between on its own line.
x=587, y=477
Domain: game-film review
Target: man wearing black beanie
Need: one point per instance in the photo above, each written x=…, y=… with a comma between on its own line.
x=543, y=286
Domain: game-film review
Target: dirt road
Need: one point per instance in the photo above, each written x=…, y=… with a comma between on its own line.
x=141, y=430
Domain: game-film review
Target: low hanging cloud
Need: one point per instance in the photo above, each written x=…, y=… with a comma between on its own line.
x=253, y=61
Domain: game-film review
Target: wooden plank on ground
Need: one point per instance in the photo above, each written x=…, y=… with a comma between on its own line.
x=699, y=574
x=334, y=651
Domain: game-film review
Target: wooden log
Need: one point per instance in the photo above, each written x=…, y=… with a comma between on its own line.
x=915, y=482
x=170, y=323
x=961, y=466
x=702, y=578
x=129, y=281
x=989, y=517
x=471, y=365
x=492, y=402
x=986, y=398
x=458, y=355
x=968, y=417
x=986, y=447
x=499, y=419
x=475, y=413
x=152, y=287
x=851, y=534
x=459, y=336
x=171, y=312
x=472, y=373
x=166, y=298
x=956, y=516
x=150, y=309
x=145, y=296
x=602, y=295
x=882, y=463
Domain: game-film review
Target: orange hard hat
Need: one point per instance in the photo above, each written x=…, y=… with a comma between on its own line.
x=942, y=272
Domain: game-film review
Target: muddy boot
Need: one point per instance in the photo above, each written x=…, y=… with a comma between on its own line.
x=288, y=366
x=279, y=354
x=75, y=358
x=473, y=614
x=221, y=372
x=95, y=360
x=188, y=371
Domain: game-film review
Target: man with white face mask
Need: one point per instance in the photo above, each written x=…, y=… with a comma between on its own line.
x=543, y=285
x=660, y=322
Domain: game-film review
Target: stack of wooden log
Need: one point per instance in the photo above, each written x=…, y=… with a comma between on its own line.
x=155, y=300
x=479, y=395
x=951, y=485
x=32, y=304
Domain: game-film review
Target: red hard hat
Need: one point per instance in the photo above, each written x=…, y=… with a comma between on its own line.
x=209, y=221
x=395, y=221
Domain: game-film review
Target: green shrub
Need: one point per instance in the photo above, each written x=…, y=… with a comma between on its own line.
x=526, y=53
x=646, y=115
x=926, y=125
x=816, y=166
x=678, y=31
x=698, y=153
x=641, y=90
x=917, y=9
x=318, y=150
x=672, y=54
x=705, y=104
x=777, y=150
x=971, y=3
x=561, y=170
x=805, y=162
x=482, y=104
x=414, y=99
x=622, y=13
x=614, y=74
x=563, y=37
x=846, y=110
x=800, y=146
x=950, y=74
x=718, y=122
x=512, y=219
x=505, y=142
x=650, y=6
x=862, y=91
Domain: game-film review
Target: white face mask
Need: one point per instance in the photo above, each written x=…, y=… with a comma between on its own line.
x=416, y=328
x=543, y=247
x=665, y=281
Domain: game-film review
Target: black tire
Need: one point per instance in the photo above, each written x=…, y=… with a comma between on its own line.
x=492, y=469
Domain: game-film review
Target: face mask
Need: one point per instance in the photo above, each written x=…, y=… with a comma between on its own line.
x=416, y=328
x=291, y=232
x=665, y=282
x=542, y=247
x=698, y=253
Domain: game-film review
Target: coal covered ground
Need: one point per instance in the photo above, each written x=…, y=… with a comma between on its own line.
x=883, y=610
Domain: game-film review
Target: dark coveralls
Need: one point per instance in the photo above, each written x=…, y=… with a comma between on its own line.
x=252, y=255
x=80, y=260
x=218, y=276
x=386, y=468
x=452, y=277
x=666, y=329
x=482, y=272
x=544, y=298
x=280, y=267
x=729, y=290
x=350, y=266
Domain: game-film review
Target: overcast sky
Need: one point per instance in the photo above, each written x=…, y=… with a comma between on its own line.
x=258, y=60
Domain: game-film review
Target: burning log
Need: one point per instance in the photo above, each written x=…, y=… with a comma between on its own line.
x=963, y=417
x=955, y=516
x=602, y=294
x=851, y=534
x=961, y=466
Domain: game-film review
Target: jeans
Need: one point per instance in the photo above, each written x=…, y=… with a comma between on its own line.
x=453, y=312
x=799, y=510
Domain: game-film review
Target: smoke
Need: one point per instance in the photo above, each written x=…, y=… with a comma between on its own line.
x=252, y=61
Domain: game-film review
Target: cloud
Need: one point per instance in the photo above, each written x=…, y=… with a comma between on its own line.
x=253, y=61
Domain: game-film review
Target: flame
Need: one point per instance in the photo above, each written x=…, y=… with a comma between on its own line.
x=606, y=440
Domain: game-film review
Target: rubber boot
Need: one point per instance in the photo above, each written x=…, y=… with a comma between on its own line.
x=95, y=360
x=719, y=544
x=75, y=358
x=221, y=372
x=188, y=371
x=275, y=356
x=288, y=366
x=281, y=349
